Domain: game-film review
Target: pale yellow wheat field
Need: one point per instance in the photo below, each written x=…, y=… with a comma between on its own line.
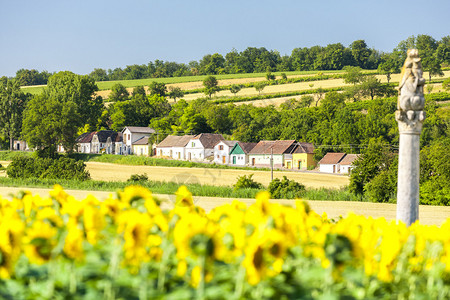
x=219, y=177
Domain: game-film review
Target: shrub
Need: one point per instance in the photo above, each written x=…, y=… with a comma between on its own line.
x=36, y=167
x=138, y=178
x=285, y=188
x=247, y=182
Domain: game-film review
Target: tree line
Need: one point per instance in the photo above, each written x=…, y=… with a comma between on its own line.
x=253, y=59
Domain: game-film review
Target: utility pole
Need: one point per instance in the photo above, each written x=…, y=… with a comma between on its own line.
x=271, y=163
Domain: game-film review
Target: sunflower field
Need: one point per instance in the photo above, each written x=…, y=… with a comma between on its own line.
x=127, y=247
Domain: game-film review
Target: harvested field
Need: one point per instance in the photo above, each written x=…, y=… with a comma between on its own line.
x=219, y=177
x=431, y=215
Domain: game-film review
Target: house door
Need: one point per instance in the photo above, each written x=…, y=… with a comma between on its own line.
x=189, y=156
x=253, y=161
x=334, y=168
x=299, y=164
x=224, y=159
x=234, y=160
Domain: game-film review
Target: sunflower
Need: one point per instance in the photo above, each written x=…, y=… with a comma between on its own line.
x=39, y=242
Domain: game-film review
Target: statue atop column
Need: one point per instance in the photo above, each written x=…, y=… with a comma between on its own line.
x=410, y=117
x=411, y=101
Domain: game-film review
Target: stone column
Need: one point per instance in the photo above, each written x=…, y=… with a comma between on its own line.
x=410, y=117
x=408, y=169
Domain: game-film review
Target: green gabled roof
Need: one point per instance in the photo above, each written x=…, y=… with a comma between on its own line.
x=242, y=148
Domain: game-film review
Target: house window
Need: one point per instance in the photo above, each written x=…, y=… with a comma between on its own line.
x=193, y=144
x=128, y=137
x=220, y=147
x=218, y=156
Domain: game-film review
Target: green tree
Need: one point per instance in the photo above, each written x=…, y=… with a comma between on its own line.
x=360, y=53
x=55, y=116
x=270, y=76
x=434, y=67
x=368, y=165
x=12, y=105
x=211, y=85
x=371, y=86
x=235, y=88
x=175, y=92
x=353, y=75
x=157, y=88
x=446, y=84
x=388, y=66
x=259, y=86
x=435, y=173
x=138, y=90
x=118, y=93
x=99, y=75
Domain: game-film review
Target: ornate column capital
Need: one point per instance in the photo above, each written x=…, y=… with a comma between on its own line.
x=410, y=122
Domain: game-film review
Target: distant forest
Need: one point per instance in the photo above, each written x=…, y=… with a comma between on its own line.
x=434, y=54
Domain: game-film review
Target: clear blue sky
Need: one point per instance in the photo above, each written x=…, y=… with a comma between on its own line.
x=80, y=35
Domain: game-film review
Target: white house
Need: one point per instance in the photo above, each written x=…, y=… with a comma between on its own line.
x=346, y=165
x=84, y=142
x=173, y=146
x=117, y=144
x=141, y=147
x=202, y=145
x=20, y=145
x=100, y=139
x=330, y=162
x=222, y=152
x=265, y=151
x=131, y=134
x=239, y=153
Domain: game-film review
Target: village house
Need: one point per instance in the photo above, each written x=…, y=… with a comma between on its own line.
x=84, y=142
x=99, y=140
x=131, y=134
x=141, y=147
x=201, y=146
x=346, y=165
x=330, y=162
x=239, y=153
x=222, y=152
x=20, y=145
x=303, y=156
x=173, y=146
x=117, y=144
x=264, y=151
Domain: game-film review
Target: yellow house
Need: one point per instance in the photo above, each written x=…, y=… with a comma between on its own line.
x=141, y=147
x=302, y=157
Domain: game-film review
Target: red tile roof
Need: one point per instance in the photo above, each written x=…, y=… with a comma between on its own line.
x=175, y=141
x=136, y=129
x=349, y=159
x=303, y=147
x=209, y=140
x=331, y=158
x=278, y=147
x=85, y=137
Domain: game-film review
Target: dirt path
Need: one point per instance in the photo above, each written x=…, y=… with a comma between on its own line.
x=431, y=215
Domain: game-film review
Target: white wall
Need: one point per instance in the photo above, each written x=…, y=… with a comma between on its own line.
x=219, y=154
x=265, y=159
x=241, y=159
x=329, y=168
x=194, y=150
